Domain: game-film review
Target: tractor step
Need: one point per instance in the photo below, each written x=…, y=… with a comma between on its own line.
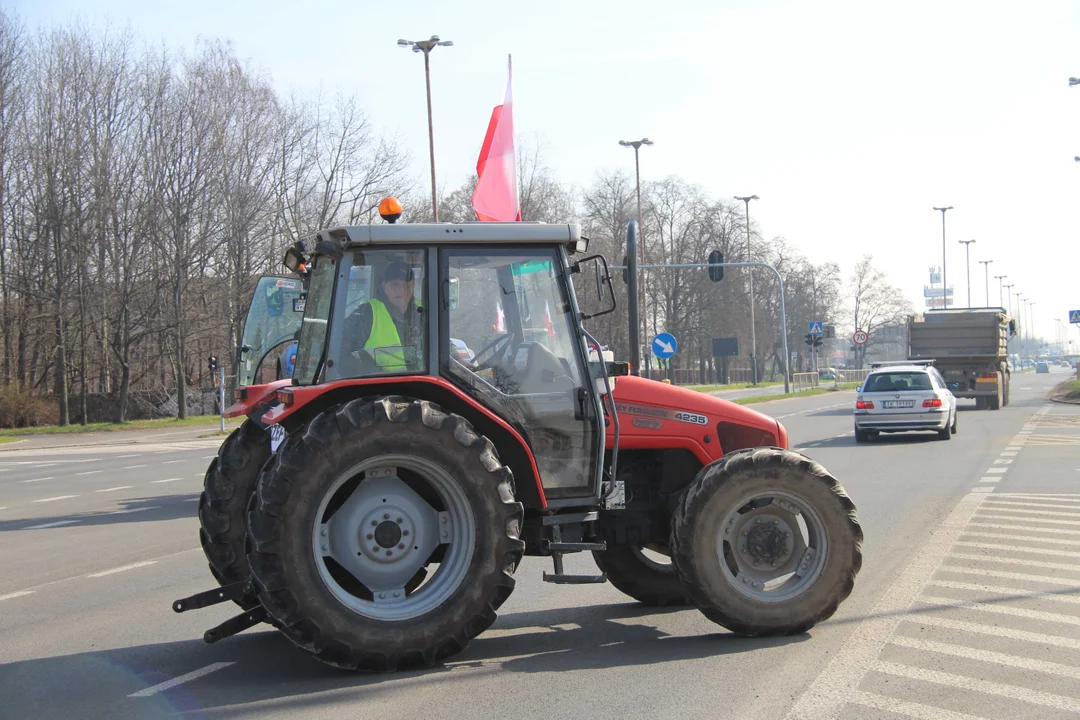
x=236, y=624
x=560, y=579
x=233, y=591
x=575, y=547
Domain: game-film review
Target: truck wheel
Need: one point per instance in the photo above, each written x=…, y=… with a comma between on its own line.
x=766, y=542
x=369, y=497
x=230, y=481
x=643, y=578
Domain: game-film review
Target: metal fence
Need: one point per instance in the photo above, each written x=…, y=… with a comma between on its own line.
x=804, y=381
x=850, y=376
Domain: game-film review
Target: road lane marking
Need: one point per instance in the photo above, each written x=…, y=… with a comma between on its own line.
x=160, y=687
x=158, y=482
x=199, y=475
x=953, y=603
x=908, y=708
x=173, y=462
x=831, y=690
x=4, y=507
x=20, y=593
x=124, y=457
x=118, y=487
x=135, y=510
x=1021, y=512
x=988, y=656
x=1028, y=528
x=990, y=479
x=58, y=523
x=1009, y=453
x=1005, y=575
x=122, y=568
x=982, y=489
x=1018, y=548
x=963, y=682
x=38, y=479
x=90, y=472
x=1009, y=504
x=208, y=457
x=185, y=500
x=58, y=497
x=999, y=461
x=997, y=470
x=1068, y=567
x=1028, y=538
x=132, y=467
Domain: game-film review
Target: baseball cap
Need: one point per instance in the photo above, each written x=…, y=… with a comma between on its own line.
x=397, y=270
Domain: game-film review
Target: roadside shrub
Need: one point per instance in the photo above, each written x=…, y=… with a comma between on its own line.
x=24, y=409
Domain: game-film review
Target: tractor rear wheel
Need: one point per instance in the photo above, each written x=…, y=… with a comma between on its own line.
x=766, y=542
x=385, y=535
x=229, y=483
x=646, y=579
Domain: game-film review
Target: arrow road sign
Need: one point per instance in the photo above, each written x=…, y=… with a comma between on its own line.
x=816, y=328
x=1074, y=317
x=664, y=345
x=860, y=337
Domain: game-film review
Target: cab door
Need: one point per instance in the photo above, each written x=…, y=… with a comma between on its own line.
x=273, y=320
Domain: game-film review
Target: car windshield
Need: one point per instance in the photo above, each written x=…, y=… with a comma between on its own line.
x=897, y=382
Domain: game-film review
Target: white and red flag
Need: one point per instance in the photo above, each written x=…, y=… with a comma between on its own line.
x=496, y=196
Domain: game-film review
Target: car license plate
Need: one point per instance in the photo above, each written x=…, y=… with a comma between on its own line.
x=898, y=403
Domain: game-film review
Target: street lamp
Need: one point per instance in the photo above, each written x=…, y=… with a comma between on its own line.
x=967, y=253
x=426, y=46
x=1008, y=298
x=1031, y=322
x=986, y=268
x=636, y=144
x=944, y=275
x=999, y=278
x=753, y=330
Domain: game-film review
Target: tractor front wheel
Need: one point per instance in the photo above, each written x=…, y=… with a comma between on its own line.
x=229, y=483
x=385, y=535
x=766, y=542
x=644, y=577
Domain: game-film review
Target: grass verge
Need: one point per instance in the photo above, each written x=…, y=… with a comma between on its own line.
x=733, y=386
x=786, y=396
x=1068, y=391
x=163, y=423
x=8, y=440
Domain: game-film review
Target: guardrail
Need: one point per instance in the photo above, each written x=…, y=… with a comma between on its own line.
x=850, y=376
x=804, y=381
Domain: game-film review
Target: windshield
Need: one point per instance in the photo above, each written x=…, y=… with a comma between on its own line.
x=316, y=313
x=273, y=320
x=897, y=382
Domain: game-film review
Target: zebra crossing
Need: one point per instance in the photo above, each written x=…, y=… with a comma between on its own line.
x=987, y=626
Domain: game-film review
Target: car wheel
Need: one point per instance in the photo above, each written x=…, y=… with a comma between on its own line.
x=861, y=436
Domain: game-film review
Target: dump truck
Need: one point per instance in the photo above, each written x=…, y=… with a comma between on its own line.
x=969, y=348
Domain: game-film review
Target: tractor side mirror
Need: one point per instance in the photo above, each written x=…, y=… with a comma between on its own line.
x=603, y=278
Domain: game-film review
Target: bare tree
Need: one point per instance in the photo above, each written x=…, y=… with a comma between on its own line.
x=875, y=302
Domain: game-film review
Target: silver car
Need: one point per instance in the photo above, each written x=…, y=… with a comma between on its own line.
x=903, y=397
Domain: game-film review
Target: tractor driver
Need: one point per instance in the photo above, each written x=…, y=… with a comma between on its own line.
x=388, y=328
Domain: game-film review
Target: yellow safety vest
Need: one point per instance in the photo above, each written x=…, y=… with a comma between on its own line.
x=383, y=337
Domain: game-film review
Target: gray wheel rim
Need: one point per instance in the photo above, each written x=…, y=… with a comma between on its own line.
x=657, y=562
x=772, y=546
x=382, y=533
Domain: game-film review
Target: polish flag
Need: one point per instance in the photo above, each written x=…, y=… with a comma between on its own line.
x=500, y=319
x=547, y=319
x=496, y=196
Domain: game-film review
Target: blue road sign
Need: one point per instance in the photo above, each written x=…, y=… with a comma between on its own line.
x=816, y=327
x=1074, y=316
x=664, y=345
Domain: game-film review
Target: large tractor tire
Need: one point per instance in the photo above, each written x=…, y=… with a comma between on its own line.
x=229, y=483
x=766, y=542
x=647, y=579
x=385, y=535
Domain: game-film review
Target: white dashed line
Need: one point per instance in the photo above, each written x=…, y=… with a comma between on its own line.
x=119, y=487
x=180, y=680
x=135, y=510
x=37, y=479
x=132, y=467
x=172, y=462
x=20, y=593
x=58, y=523
x=113, y=571
x=990, y=479
x=90, y=472
x=125, y=457
x=208, y=457
x=58, y=497
x=1005, y=461
x=185, y=500
x=982, y=489
x=158, y=482
x=997, y=470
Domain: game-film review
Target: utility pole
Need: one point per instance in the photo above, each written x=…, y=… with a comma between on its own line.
x=753, y=330
x=967, y=252
x=986, y=268
x=426, y=46
x=636, y=144
x=999, y=278
x=944, y=275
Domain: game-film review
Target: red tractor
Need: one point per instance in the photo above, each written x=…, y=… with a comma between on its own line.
x=385, y=530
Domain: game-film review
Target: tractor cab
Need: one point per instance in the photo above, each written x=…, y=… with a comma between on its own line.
x=388, y=307
x=273, y=321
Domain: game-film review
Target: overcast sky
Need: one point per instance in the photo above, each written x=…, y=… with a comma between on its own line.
x=851, y=120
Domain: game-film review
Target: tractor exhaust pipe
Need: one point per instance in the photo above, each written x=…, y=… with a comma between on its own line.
x=632, y=296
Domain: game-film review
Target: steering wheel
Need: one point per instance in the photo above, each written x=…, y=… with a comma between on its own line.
x=497, y=343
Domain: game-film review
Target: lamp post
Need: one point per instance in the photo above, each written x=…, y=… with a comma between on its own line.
x=426, y=46
x=967, y=253
x=999, y=278
x=1031, y=323
x=1008, y=298
x=986, y=269
x=944, y=275
x=753, y=330
x=636, y=144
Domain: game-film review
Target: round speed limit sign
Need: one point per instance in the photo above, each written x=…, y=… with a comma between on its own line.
x=860, y=337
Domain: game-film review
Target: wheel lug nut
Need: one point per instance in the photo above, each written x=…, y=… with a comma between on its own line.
x=374, y=523
x=370, y=536
x=405, y=533
x=389, y=553
x=375, y=549
x=386, y=516
x=401, y=546
x=400, y=520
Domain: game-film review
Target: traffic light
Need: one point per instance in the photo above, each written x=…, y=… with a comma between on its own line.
x=212, y=363
x=716, y=274
x=808, y=339
x=817, y=341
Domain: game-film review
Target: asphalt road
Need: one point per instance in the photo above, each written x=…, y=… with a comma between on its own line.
x=967, y=606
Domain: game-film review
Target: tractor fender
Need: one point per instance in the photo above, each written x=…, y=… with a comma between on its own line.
x=250, y=398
